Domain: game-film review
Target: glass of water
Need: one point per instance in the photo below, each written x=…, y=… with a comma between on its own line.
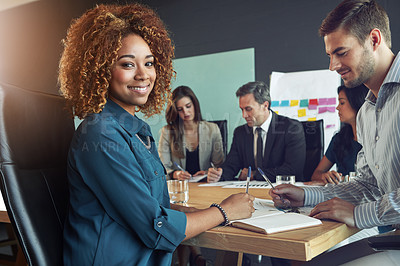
x=178, y=191
x=285, y=179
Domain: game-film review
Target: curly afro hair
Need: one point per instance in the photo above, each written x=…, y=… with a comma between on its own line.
x=90, y=51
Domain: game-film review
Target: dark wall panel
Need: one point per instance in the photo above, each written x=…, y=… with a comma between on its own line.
x=284, y=33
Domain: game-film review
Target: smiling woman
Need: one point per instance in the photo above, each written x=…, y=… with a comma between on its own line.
x=133, y=75
x=117, y=61
x=91, y=52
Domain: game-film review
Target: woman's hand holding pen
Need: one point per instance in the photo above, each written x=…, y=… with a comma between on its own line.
x=181, y=175
x=214, y=174
x=287, y=195
x=238, y=206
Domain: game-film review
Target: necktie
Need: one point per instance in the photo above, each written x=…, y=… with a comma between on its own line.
x=259, y=155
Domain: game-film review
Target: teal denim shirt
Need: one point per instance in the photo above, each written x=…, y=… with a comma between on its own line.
x=119, y=205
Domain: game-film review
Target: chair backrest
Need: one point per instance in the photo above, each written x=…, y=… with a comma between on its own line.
x=35, y=134
x=314, y=134
x=223, y=127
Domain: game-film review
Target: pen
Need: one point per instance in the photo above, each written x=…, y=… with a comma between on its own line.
x=248, y=179
x=293, y=209
x=265, y=177
x=180, y=168
x=213, y=166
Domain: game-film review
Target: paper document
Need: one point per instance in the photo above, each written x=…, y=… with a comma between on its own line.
x=197, y=178
x=217, y=184
x=267, y=219
x=242, y=184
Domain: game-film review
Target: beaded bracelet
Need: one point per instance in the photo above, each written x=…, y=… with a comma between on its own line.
x=226, y=222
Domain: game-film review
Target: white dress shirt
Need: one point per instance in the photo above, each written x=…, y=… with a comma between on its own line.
x=264, y=126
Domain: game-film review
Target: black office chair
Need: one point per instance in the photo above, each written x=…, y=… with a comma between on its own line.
x=35, y=134
x=223, y=127
x=314, y=134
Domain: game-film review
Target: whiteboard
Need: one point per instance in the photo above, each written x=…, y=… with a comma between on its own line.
x=307, y=95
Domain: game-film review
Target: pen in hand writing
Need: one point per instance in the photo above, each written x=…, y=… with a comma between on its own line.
x=180, y=168
x=272, y=186
x=248, y=179
x=213, y=166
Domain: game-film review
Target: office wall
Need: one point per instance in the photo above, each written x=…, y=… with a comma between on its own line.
x=284, y=33
x=30, y=42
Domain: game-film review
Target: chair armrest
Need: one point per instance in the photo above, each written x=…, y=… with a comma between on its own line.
x=385, y=242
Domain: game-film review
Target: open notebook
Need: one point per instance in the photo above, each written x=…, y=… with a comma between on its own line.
x=267, y=219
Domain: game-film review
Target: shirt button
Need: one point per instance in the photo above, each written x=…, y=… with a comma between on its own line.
x=377, y=138
x=376, y=166
x=155, y=172
x=159, y=224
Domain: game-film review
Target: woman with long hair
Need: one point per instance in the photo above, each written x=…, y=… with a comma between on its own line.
x=343, y=147
x=188, y=141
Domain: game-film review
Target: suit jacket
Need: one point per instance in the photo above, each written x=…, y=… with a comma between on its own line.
x=284, y=151
x=210, y=148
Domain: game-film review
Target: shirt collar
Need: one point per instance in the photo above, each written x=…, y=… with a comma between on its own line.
x=265, y=126
x=393, y=76
x=394, y=72
x=131, y=123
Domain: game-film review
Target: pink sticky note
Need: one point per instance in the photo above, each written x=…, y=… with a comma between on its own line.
x=312, y=107
x=330, y=109
x=331, y=101
x=322, y=109
x=323, y=101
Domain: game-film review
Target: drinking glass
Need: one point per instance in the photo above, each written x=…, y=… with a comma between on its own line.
x=178, y=191
x=285, y=179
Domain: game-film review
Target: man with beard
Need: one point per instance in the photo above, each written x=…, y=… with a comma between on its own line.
x=358, y=42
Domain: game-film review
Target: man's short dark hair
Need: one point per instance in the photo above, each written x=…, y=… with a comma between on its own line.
x=358, y=17
x=259, y=89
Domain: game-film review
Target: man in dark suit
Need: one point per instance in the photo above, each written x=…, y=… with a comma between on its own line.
x=281, y=150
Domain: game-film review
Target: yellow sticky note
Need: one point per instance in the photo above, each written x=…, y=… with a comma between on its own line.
x=276, y=112
x=294, y=102
x=301, y=112
x=312, y=119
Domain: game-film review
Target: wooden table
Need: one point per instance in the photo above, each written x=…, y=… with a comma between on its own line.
x=12, y=240
x=301, y=244
x=4, y=217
